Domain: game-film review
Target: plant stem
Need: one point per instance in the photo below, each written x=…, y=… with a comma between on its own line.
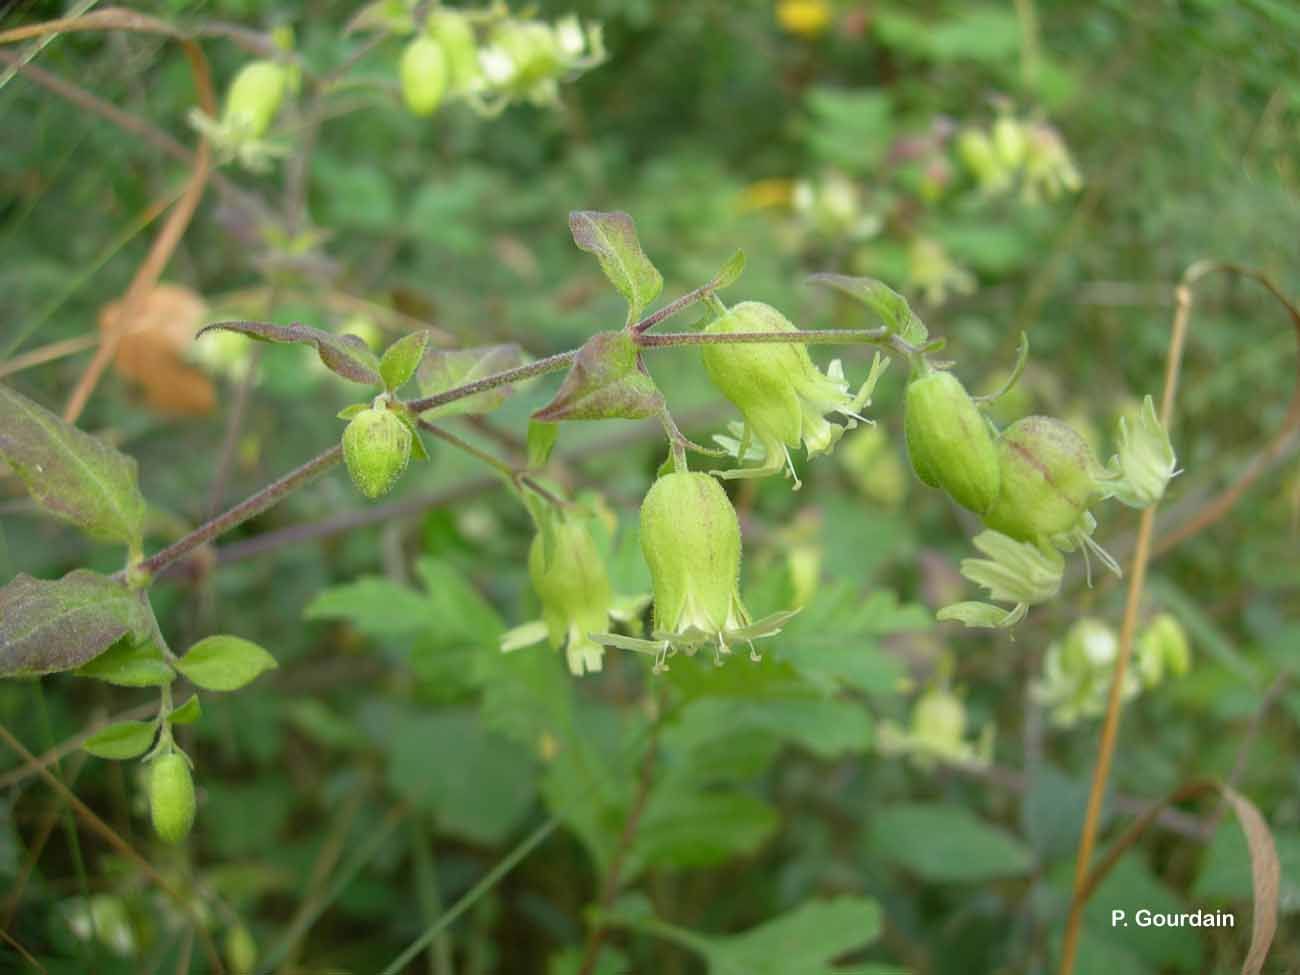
x=552, y=363
x=824, y=336
x=1110, y=726
x=488, y=881
x=250, y=507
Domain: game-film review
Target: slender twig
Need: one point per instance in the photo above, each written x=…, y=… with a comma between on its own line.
x=28, y=769
x=552, y=363
x=824, y=336
x=673, y=307
x=609, y=888
x=471, y=897
x=250, y=507
x=1110, y=724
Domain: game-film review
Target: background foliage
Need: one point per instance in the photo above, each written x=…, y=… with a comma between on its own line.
x=395, y=757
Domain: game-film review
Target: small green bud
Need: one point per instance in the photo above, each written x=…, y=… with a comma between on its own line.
x=241, y=950
x=376, y=448
x=1145, y=462
x=949, y=441
x=171, y=797
x=690, y=537
x=424, y=73
x=254, y=98
x=569, y=577
x=1048, y=481
x=455, y=33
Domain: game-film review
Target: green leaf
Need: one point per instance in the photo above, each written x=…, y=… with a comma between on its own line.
x=478, y=785
x=444, y=369
x=729, y=273
x=685, y=828
x=611, y=237
x=800, y=942
x=224, y=663
x=605, y=382
x=804, y=941
x=375, y=606
x=48, y=626
x=130, y=663
x=402, y=357
x=126, y=739
x=344, y=355
x=828, y=728
x=946, y=844
x=70, y=473
x=984, y=615
x=187, y=713
x=348, y=412
x=541, y=441
x=891, y=307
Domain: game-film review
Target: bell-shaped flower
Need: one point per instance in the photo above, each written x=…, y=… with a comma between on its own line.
x=1077, y=673
x=937, y=732
x=1145, y=463
x=1020, y=573
x=570, y=579
x=690, y=538
x=781, y=394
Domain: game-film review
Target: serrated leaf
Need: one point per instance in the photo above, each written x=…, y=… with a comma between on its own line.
x=892, y=308
x=604, y=382
x=48, y=626
x=444, y=369
x=70, y=473
x=541, y=441
x=611, y=237
x=402, y=357
x=187, y=713
x=126, y=739
x=130, y=663
x=344, y=355
x=224, y=663
x=946, y=844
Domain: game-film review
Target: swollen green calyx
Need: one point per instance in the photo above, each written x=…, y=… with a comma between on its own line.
x=950, y=443
x=171, y=797
x=569, y=577
x=782, y=395
x=376, y=449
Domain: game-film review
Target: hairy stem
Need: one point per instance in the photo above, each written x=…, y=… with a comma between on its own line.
x=824, y=336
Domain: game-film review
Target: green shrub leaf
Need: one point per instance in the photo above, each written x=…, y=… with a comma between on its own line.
x=344, y=355
x=611, y=237
x=70, y=473
x=126, y=739
x=224, y=663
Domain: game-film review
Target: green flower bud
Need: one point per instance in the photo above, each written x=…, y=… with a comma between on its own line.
x=1048, y=482
x=978, y=154
x=254, y=98
x=171, y=797
x=424, y=74
x=1162, y=646
x=1009, y=138
x=569, y=577
x=1145, y=462
x=949, y=441
x=455, y=33
x=690, y=537
x=529, y=48
x=780, y=392
x=241, y=950
x=376, y=448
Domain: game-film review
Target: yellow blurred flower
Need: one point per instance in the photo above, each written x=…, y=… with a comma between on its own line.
x=807, y=18
x=767, y=194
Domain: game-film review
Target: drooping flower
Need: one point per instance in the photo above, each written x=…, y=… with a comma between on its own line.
x=781, y=394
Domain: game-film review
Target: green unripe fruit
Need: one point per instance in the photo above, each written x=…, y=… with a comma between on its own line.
x=424, y=73
x=759, y=378
x=949, y=441
x=254, y=97
x=570, y=580
x=1048, y=480
x=241, y=951
x=376, y=448
x=690, y=537
x=171, y=797
x=456, y=35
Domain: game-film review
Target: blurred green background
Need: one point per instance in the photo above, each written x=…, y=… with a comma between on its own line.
x=395, y=757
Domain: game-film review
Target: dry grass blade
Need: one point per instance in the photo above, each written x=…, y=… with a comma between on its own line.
x=146, y=277
x=111, y=18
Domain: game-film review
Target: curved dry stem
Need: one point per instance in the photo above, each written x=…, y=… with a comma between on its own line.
x=1137, y=580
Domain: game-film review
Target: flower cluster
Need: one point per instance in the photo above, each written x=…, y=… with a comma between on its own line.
x=1012, y=150
x=936, y=733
